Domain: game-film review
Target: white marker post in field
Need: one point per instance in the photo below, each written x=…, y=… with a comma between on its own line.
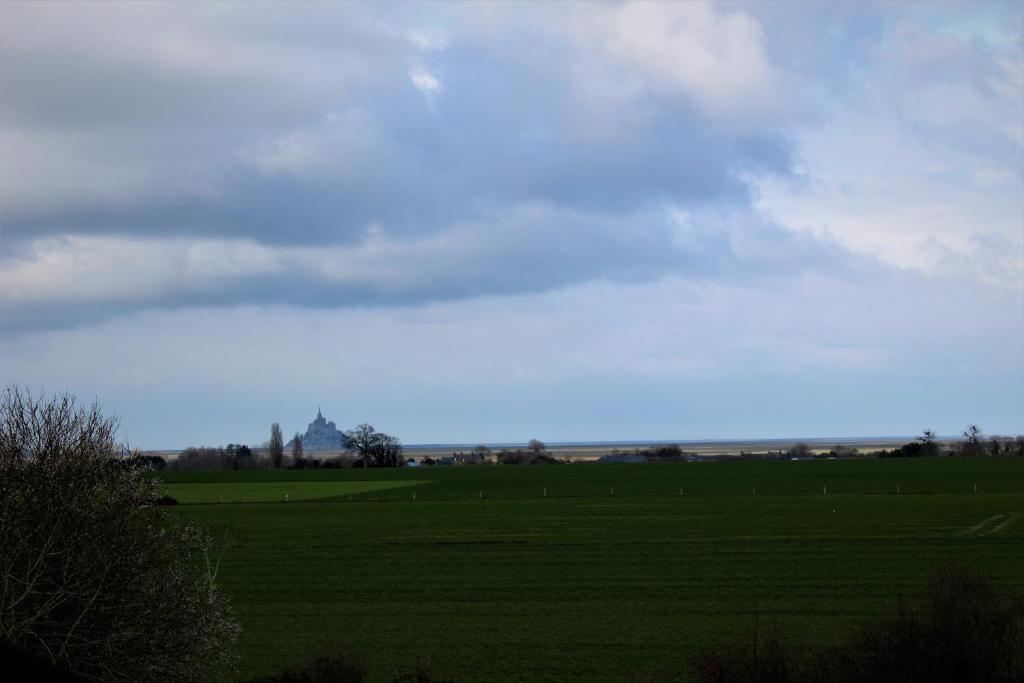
x=545, y=493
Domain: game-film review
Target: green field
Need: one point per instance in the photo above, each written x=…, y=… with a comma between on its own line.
x=621, y=570
x=277, y=491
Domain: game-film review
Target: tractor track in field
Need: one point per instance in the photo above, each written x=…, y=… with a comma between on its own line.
x=990, y=525
x=1002, y=525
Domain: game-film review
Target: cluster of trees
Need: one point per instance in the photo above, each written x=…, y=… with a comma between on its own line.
x=973, y=444
x=521, y=457
x=231, y=457
x=375, y=449
x=370, y=449
x=664, y=452
x=1006, y=445
x=924, y=446
x=534, y=454
x=802, y=450
x=95, y=578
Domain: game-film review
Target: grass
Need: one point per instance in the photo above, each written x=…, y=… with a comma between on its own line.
x=587, y=584
x=276, y=491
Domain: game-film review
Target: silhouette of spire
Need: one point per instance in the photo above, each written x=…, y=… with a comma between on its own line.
x=318, y=415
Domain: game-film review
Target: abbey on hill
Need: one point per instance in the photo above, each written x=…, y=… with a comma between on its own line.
x=322, y=435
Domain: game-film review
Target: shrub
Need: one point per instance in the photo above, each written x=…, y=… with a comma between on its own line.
x=963, y=631
x=343, y=667
x=669, y=452
x=333, y=668
x=517, y=457
x=767, y=659
x=94, y=577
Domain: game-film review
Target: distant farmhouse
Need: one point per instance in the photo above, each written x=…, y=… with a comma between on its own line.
x=322, y=435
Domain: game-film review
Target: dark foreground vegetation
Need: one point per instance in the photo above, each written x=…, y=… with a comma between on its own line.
x=963, y=630
x=95, y=580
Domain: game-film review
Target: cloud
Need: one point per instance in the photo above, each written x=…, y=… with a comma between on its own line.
x=688, y=203
x=915, y=154
x=716, y=58
x=424, y=81
x=301, y=126
x=667, y=359
x=164, y=96
x=523, y=249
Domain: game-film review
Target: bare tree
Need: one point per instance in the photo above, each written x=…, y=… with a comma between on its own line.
x=296, y=448
x=536, y=445
x=973, y=434
x=94, y=578
x=377, y=448
x=929, y=443
x=972, y=445
x=799, y=450
x=276, y=445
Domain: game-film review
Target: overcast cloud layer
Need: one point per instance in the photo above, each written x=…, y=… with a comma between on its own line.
x=490, y=222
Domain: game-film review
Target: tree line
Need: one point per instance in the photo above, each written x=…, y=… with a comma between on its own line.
x=363, y=446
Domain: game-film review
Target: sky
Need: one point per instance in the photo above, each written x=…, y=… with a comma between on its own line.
x=488, y=222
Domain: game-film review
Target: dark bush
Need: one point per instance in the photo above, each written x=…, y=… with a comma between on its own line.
x=348, y=668
x=422, y=672
x=963, y=631
x=18, y=665
x=305, y=464
x=94, y=578
x=766, y=658
x=521, y=457
x=669, y=452
x=335, y=668
x=517, y=457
